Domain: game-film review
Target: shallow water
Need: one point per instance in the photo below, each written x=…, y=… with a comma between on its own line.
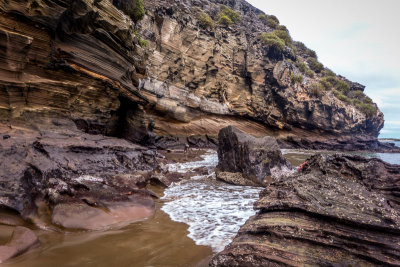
x=213, y=210
x=158, y=241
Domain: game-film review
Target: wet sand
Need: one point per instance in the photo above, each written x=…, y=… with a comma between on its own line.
x=158, y=241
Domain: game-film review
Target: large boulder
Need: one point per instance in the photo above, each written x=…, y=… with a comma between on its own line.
x=339, y=210
x=247, y=160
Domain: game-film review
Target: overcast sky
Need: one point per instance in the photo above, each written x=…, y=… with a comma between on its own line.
x=359, y=39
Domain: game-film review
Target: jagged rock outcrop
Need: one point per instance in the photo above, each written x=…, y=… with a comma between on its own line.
x=340, y=210
x=101, y=177
x=247, y=160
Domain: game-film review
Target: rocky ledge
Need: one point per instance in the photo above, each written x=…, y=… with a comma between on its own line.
x=87, y=181
x=338, y=210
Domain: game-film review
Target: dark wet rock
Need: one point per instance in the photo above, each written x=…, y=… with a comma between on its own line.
x=339, y=210
x=256, y=159
x=21, y=240
x=67, y=166
x=341, y=143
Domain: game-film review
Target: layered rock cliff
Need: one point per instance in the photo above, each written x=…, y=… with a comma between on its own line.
x=87, y=61
x=197, y=74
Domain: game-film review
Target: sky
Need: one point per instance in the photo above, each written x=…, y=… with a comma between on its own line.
x=359, y=39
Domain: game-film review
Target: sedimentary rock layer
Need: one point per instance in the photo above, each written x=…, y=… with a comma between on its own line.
x=225, y=70
x=83, y=60
x=340, y=210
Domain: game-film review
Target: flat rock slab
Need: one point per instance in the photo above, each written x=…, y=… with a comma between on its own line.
x=82, y=216
x=21, y=240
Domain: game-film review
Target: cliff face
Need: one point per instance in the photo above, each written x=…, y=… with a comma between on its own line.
x=226, y=70
x=81, y=60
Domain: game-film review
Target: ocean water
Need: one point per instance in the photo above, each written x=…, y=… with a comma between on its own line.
x=213, y=210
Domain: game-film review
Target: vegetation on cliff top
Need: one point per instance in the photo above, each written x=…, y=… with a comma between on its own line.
x=228, y=16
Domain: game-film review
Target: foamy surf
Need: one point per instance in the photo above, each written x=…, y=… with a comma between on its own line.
x=213, y=210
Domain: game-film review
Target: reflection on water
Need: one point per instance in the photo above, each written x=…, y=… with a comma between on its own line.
x=156, y=242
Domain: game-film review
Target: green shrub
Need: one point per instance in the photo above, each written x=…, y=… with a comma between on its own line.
x=367, y=100
x=359, y=95
x=271, y=40
x=328, y=72
x=272, y=21
x=296, y=78
x=315, y=65
x=205, y=20
x=342, y=86
x=328, y=82
x=303, y=67
x=143, y=42
x=133, y=8
x=317, y=89
x=282, y=28
x=284, y=35
x=368, y=109
x=225, y=20
x=333, y=82
x=262, y=17
x=311, y=53
x=300, y=46
x=228, y=16
x=137, y=12
x=309, y=73
x=342, y=97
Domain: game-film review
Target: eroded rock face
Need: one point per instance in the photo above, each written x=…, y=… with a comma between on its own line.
x=223, y=71
x=65, y=166
x=81, y=60
x=258, y=160
x=340, y=210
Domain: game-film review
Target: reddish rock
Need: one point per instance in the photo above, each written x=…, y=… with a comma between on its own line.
x=21, y=240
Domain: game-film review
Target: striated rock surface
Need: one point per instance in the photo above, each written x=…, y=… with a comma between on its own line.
x=247, y=160
x=198, y=72
x=340, y=210
x=85, y=60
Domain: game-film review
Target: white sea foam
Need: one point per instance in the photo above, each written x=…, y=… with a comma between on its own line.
x=213, y=210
